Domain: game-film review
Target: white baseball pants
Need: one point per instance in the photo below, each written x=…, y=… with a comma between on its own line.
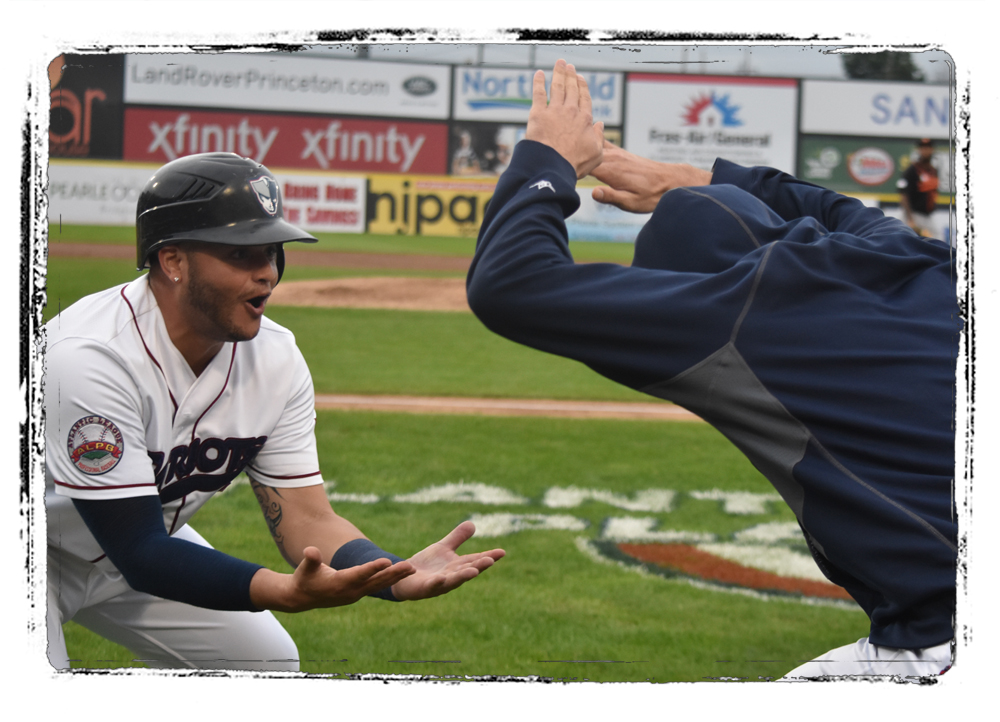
x=161, y=633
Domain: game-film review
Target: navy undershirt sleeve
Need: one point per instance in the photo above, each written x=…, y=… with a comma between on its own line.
x=131, y=533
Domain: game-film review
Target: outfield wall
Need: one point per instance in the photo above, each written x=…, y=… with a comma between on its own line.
x=409, y=148
x=105, y=193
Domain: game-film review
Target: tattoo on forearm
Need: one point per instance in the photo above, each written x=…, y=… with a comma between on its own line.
x=269, y=500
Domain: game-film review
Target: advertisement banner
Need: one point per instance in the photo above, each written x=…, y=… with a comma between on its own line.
x=872, y=166
x=696, y=119
x=105, y=194
x=310, y=142
x=429, y=206
x=324, y=203
x=265, y=81
x=85, y=106
x=452, y=207
x=102, y=194
x=502, y=94
x=875, y=108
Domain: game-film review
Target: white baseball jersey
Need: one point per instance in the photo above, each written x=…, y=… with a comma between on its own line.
x=126, y=416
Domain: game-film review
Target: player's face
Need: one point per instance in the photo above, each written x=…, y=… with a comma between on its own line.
x=228, y=287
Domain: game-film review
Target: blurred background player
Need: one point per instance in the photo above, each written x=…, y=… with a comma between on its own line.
x=918, y=190
x=158, y=394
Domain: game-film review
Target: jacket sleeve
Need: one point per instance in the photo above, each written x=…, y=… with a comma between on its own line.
x=792, y=198
x=636, y=326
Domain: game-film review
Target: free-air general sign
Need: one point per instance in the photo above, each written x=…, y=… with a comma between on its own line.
x=696, y=119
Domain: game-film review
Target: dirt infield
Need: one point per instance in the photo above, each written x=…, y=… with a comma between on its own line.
x=411, y=294
x=652, y=411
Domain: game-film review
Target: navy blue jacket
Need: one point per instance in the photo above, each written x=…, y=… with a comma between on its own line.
x=818, y=335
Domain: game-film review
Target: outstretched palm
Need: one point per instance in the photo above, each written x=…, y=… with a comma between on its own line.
x=439, y=568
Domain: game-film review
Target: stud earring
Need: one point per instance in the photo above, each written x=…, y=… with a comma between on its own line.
x=176, y=279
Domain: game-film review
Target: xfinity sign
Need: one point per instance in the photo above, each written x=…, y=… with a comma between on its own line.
x=897, y=110
x=500, y=94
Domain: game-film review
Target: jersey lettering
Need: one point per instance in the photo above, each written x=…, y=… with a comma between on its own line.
x=194, y=467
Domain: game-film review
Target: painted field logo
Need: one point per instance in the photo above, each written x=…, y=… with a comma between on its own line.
x=711, y=110
x=870, y=166
x=95, y=445
x=771, y=570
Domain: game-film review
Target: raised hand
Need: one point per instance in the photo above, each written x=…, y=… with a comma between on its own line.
x=564, y=121
x=635, y=183
x=439, y=568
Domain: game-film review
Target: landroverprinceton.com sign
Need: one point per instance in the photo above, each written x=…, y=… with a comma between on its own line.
x=696, y=119
x=265, y=81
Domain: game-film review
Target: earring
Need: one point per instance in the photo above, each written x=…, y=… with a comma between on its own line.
x=176, y=279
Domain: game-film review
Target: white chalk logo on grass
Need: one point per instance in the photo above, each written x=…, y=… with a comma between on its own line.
x=95, y=445
x=766, y=560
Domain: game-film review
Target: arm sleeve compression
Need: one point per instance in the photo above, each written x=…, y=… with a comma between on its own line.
x=132, y=535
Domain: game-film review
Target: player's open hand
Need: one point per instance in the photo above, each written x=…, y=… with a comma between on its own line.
x=316, y=585
x=439, y=568
x=636, y=184
x=564, y=121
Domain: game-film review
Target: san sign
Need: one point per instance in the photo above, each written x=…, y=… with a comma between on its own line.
x=869, y=108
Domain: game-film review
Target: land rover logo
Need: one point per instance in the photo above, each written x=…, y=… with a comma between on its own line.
x=419, y=85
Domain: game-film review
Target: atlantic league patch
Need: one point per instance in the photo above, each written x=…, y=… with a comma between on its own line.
x=95, y=445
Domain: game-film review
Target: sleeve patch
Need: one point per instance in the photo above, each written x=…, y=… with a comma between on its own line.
x=95, y=445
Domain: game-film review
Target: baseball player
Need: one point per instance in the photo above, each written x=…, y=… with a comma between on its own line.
x=158, y=393
x=819, y=336
x=918, y=190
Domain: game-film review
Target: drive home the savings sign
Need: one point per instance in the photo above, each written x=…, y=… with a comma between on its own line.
x=696, y=119
x=500, y=94
x=264, y=81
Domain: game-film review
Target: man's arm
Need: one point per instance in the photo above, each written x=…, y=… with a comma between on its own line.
x=636, y=326
x=131, y=533
x=310, y=534
x=636, y=184
x=793, y=198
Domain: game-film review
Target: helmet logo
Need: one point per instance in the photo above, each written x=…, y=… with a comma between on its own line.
x=266, y=191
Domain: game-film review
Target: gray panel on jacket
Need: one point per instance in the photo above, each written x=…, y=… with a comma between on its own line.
x=724, y=391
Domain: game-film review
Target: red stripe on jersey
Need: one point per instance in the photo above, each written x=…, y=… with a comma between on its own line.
x=229, y=373
x=148, y=352
x=295, y=476
x=101, y=488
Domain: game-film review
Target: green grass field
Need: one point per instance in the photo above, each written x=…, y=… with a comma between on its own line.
x=552, y=609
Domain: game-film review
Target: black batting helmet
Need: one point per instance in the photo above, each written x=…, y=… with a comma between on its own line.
x=213, y=198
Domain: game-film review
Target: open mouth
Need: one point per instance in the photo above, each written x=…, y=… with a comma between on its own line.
x=258, y=302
